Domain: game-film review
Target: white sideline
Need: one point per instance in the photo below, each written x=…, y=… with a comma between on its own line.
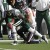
x=11, y=40
x=17, y=40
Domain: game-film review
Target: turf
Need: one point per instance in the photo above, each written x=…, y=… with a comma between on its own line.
x=21, y=46
x=8, y=46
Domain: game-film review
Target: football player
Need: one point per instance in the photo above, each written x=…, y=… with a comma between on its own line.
x=29, y=21
x=15, y=12
x=2, y=13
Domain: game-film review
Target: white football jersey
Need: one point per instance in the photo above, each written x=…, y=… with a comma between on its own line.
x=41, y=5
x=1, y=2
x=14, y=10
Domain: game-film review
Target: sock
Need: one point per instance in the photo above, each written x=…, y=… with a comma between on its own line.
x=9, y=32
x=34, y=32
x=30, y=37
x=15, y=36
x=38, y=34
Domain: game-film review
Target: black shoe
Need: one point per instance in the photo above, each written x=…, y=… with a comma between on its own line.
x=14, y=43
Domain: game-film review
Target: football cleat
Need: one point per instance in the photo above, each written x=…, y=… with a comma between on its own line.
x=45, y=39
x=14, y=43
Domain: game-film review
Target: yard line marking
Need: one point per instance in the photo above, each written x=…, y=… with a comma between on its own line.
x=11, y=40
x=17, y=40
x=1, y=48
x=7, y=49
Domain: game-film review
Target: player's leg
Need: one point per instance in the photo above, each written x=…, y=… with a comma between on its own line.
x=20, y=33
x=9, y=27
x=38, y=20
x=33, y=31
x=0, y=31
x=2, y=10
x=9, y=33
x=47, y=19
x=15, y=35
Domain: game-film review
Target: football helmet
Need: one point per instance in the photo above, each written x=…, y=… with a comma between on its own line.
x=20, y=3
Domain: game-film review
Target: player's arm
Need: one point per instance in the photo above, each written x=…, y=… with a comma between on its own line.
x=29, y=15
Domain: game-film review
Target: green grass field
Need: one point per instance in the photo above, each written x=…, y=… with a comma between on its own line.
x=7, y=46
